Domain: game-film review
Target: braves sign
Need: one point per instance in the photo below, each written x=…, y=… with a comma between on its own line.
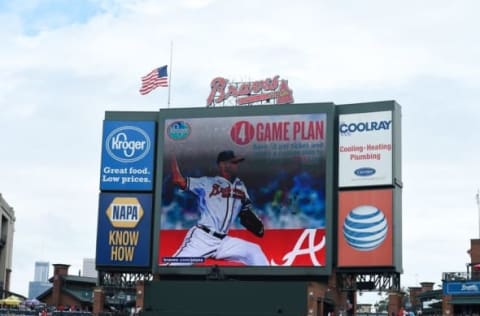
x=461, y=288
x=270, y=89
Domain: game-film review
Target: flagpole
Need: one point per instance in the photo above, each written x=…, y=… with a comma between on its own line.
x=170, y=73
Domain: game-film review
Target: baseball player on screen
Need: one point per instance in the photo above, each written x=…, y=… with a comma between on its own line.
x=220, y=200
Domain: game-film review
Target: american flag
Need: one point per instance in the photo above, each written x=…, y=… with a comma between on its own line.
x=156, y=78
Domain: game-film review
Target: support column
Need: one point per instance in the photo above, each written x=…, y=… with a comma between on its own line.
x=394, y=303
x=98, y=301
x=140, y=292
x=447, y=308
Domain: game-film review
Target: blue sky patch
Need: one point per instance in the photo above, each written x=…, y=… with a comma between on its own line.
x=38, y=16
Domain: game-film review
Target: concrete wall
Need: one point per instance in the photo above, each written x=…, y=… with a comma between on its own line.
x=7, y=228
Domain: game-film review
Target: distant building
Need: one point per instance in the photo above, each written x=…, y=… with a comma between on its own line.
x=36, y=288
x=40, y=280
x=461, y=290
x=459, y=293
x=6, y=244
x=89, y=269
x=69, y=290
x=41, y=271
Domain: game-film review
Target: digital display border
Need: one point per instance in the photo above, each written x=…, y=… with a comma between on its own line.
x=254, y=113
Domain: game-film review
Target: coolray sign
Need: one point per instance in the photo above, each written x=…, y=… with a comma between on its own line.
x=124, y=230
x=365, y=149
x=127, y=156
x=271, y=89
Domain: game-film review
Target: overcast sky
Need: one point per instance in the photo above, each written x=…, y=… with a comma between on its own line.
x=63, y=63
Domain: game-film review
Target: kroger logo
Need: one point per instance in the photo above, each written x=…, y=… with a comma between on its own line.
x=178, y=130
x=127, y=144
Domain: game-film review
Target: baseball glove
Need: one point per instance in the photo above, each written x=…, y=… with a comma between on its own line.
x=251, y=221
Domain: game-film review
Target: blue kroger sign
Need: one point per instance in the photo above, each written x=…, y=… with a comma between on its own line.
x=128, y=144
x=127, y=155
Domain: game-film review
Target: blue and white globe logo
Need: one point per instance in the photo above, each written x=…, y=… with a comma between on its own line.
x=365, y=228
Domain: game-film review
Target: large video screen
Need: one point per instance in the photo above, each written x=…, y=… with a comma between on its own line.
x=244, y=191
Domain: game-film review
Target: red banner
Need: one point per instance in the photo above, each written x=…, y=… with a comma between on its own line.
x=282, y=247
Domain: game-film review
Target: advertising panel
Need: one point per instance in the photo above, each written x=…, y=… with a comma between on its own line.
x=124, y=230
x=461, y=288
x=127, y=156
x=365, y=149
x=365, y=224
x=218, y=169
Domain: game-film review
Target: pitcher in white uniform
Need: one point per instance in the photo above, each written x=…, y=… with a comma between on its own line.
x=220, y=199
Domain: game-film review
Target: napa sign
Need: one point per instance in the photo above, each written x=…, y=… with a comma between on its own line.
x=127, y=156
x=124, y=228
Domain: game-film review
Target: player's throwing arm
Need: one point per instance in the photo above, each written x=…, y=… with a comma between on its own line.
x=177, y=176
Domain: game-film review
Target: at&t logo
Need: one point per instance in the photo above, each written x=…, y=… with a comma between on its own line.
x=365, y=228
x=127, y=144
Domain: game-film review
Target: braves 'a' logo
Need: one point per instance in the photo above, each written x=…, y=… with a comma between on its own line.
x=311, y=250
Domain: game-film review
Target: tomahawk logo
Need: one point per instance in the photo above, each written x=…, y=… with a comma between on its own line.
x=297, y=250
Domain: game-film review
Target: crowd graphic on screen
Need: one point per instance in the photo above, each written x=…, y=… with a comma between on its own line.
x=285, y=201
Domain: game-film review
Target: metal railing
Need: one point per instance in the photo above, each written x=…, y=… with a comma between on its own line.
x=456, y=276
